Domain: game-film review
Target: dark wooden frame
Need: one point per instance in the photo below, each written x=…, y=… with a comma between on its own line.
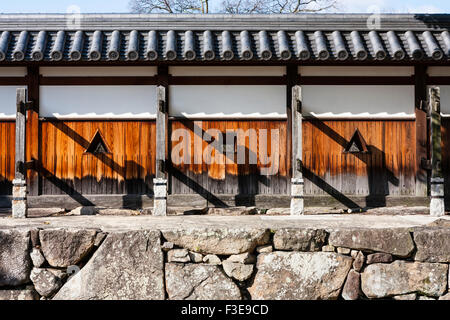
x=436, y=81
x=225, y=80
x=13, y=81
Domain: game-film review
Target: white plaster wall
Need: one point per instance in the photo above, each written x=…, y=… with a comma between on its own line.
x=97, y=71
x=228, y=71
x=356, y=71
x=8, y=101
x=438, y=71
x=98, y=101
x=13, y=71
x=358, y=101
x=228, y=101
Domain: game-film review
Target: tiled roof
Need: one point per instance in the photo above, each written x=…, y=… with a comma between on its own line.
x=127, y=37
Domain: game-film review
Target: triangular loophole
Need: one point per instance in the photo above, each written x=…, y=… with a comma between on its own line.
x=97, y=144
x=357, y=144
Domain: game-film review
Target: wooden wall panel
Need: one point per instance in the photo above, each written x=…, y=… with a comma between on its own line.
x=127, y=169
x=229, y=177
x=389, y=168
x=7, y=153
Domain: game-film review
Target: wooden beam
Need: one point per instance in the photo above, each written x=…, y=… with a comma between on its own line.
x=20, y=134
x=437, y=206
x=297, y=143
x=222, y=80
x=435, y=110
x=163, y=76
x=162, y=123
x=33, y=129
x=435, y=81
x=291, y=81
x=161, y=132
x=160, y=181
x=420, y=88
x=13, y=81
x=297, y=183
x=19, y=202
x=102, y=119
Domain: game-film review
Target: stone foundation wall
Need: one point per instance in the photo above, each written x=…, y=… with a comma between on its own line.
x=222, y=263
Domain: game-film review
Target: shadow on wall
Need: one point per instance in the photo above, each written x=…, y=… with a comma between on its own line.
x=127, y=186
x=378, y=177
x=245, y=181
x=5, y=186
x=5, y=192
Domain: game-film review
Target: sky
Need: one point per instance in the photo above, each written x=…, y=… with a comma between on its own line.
x=102, y=6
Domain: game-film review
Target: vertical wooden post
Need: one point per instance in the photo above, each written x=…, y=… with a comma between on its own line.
x=437, y=206
x=291, y=81
x=19, y=201
x=297, y=183
x=420, y=80
x=33, y=129
x=160, y=182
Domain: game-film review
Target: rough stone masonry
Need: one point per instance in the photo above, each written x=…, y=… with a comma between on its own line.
x=227, y=263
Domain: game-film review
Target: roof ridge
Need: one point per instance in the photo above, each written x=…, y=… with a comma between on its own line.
x=304, y=21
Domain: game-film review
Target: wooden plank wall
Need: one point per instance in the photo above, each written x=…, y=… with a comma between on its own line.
x=230, y=178
x=389, y=169
x=7, y=153
x=128, y=169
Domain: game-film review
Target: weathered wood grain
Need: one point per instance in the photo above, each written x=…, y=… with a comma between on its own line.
x=421, y=129
x=20, y=172
x=128, y=169
x=7, y=155
x=161, y=132
x=226, y=176
x=389, y=168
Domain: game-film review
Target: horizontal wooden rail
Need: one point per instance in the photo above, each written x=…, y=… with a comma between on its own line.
x=438, y=81
x=13, y=81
